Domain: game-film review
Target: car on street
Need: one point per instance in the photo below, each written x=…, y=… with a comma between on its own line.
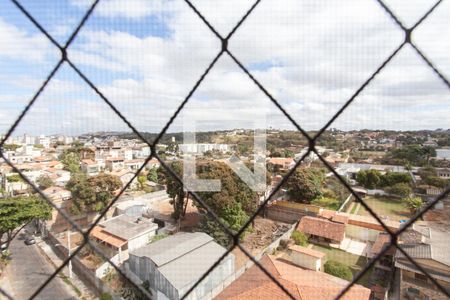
x=30, y=240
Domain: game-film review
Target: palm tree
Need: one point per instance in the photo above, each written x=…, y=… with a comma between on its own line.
x=414, y=204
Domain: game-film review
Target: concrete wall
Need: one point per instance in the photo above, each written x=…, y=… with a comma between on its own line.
x=140, y=241
x=306, y=261
x=285, y=214
x=361, y=233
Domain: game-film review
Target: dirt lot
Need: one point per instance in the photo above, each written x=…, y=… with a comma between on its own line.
x=263, y=233
x=189, y=221
x=439, y=215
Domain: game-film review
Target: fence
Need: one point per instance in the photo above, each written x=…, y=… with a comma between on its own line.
x=225, y=51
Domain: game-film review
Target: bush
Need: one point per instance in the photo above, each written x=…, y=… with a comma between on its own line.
x=299, y=238
x=399, y=189
x=338, y=269
x=106, y=296
x=329, y=203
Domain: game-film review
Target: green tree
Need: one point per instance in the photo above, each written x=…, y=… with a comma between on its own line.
x=71, y=161
x=153, y=175
x=413, y=154
x=428, y=152
x=233, y=203
x=14, y=178
x=210, y=226
x=299, y=238
x=414, y=204
x=437, y=181
x=392, y=178
x=306, y=184
x=369, y=178
x=175, y=189
x=16, y=212
x=338, y=269
x=11, y=147
x=288, y=153
x=400, y=189
x=93, y=193
x=142, y=179
x=427, y=172
x=44, y=182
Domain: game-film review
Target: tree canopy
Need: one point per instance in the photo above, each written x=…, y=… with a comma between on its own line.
x=338, y=269
x=44, y=182
x=416, y=155
x=174, y=188
x=414, y=204
x=373, y=179
x=306, y=184
x=93, y=193
x=16, y=212
x=400, y=189
x=233, y=203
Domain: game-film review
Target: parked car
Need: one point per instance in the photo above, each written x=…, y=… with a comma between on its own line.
x=30, y=240
x=3, y=248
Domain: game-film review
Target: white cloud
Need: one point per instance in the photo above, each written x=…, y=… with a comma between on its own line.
x=311, y=56
x=131, y=9
x=17, y=43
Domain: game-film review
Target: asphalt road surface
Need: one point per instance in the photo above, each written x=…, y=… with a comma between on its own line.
x=29, y=269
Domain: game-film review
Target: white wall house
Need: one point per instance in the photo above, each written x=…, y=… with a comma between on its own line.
x=307, y=258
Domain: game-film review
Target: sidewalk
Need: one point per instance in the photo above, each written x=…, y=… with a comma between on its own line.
x=6, y=286
x=75, y=281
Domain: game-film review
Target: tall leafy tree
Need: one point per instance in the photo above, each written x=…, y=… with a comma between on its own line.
x=17, y=212
x=305, y=184
x=233, y=204
x=93, y=193
x=153, y=175
x=174, y=188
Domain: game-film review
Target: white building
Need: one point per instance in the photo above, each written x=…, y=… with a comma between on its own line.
x=202, y=148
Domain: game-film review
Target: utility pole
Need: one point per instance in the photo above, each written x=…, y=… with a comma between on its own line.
x=68, y=248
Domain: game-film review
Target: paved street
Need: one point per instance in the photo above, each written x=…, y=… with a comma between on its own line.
x=28, y=269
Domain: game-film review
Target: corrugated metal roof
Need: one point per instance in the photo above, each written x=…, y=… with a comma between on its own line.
x=184, y=271
x=415, y=251
x=172, y=247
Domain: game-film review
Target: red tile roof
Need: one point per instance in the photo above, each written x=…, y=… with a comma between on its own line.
x=322, y=227
x=382, y=241
x=302, y=284
x=307, y=251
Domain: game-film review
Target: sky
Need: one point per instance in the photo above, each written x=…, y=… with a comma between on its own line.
x=146, y=56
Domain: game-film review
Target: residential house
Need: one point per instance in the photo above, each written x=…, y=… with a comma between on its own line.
x=61, y=198
x=281, y=163
x=429, y=247
x=322, y=231
x=300, y=283
x=123, y=233
x=133, y=164
x=125, y=176
x=443, y=173
x=115, y=163
x=90, y=167
x=307, y=258
x=174, y=264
